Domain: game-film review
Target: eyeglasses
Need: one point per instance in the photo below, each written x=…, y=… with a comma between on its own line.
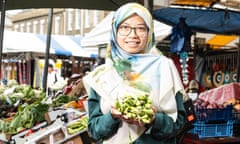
x=125, y=30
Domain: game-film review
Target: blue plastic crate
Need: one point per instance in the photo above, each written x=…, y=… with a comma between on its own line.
x=206, y=130
x=215, y=115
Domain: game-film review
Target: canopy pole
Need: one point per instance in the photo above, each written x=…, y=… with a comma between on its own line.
x=1, y=33
x=48, y=43
x=238, y=62
x=146, y=3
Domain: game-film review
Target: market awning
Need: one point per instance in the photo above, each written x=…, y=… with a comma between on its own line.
x=204, y=3
x=215, y=21
x=101, y=33
x=218, y=41
x=15, y=42
x=81, y=4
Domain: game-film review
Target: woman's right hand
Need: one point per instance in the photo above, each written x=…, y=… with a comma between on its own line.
x=115, y=113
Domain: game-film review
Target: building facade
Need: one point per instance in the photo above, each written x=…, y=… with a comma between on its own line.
x=64, y=21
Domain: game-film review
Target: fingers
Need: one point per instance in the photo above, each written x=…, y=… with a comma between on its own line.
x=115, y=113
x=132, y=121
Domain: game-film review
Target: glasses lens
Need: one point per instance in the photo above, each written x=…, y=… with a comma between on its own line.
x=125, y=30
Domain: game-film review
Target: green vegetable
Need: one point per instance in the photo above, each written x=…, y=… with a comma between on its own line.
x=78, y=126
x=137, y=107
x=60, y=100
x=26, y=117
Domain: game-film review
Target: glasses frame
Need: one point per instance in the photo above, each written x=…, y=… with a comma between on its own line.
x=132, y=29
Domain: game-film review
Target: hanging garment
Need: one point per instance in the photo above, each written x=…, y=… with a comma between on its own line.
x=181, y=37
x=19, y=67
x=24, y=73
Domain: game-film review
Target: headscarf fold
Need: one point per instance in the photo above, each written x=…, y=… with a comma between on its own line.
x=123, y=71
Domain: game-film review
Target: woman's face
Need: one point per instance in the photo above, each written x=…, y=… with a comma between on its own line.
x=132, y=34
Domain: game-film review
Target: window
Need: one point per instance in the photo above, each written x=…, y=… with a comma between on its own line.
x=77, y=19
x=57, y=25
x=70, y=19
x=16, y=27
x=42, y=26
x=35, y=24
x=29, y=24
x=96, y=17
x=87, y=16
x=22, y=27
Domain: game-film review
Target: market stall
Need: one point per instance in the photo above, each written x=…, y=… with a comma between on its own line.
x=48, y=130
x=216, y=104
x=23, y=59
x=28, y=116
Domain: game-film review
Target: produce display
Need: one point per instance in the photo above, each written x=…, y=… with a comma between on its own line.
x=207, y=111
x=77, y=125
x=26, y=117
x=201, y=103
x=60, y=100
x=215, y=119
x=23, y=108
x=137, y=107
x=235, y=102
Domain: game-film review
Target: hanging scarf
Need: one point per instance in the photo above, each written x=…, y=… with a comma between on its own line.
x=134, y=73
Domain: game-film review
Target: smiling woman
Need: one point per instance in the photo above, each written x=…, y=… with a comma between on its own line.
x=132, y=74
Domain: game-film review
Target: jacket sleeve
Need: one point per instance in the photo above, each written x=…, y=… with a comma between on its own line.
x=164, y=127
x=100, y=126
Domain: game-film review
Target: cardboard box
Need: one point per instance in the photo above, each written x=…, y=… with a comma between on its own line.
x=74, y=140
x=57, y=136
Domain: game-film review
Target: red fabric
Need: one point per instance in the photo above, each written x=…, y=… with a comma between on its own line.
x=221, y=94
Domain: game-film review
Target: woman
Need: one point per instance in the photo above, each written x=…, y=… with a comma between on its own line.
x=131, y=68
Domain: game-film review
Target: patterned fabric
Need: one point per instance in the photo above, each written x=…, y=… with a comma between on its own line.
x=134, y=73
x=123, y=13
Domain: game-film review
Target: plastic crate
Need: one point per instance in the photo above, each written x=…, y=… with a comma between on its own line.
x=236, y=129
x=236, y=125
x=215, y=115
x=207, y=130
x=236, y=116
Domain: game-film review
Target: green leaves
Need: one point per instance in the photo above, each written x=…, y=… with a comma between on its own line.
x=26, y=117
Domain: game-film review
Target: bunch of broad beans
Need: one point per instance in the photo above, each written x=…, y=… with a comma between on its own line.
x=138, y=107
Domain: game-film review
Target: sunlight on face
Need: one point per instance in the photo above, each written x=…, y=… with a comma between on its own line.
x=132, y=34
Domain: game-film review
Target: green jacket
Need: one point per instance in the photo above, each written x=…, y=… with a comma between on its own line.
x=162, y=131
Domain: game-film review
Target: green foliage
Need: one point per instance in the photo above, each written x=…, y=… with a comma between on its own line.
x=26, y=117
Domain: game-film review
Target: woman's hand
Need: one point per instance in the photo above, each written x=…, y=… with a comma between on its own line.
x=154, y=115
x=115, y=113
